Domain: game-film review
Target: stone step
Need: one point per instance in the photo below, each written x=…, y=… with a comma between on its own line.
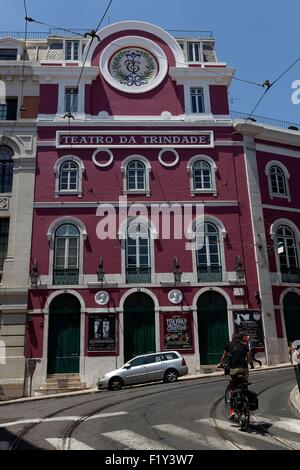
x=62, y=376
x=66, y=385
x=54, y=391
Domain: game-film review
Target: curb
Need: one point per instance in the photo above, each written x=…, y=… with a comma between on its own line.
x=95, y=390
x=295, y=400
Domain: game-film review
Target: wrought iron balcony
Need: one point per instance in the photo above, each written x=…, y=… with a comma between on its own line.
x=265, y=120
x=65, y=277
x=138, y=275
x=210, y=274
x=290, y=275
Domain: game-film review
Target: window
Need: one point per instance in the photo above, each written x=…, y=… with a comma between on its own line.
x=8, y=54
x=138, y=254
x=194, y=52
x=288, y=254
x=4, y=229
x=69, y=176
x=71, y=100
x=8, y=110
x=136, y=176
x=6, y=169
x=278, y=184
x=208, y=255
x=66, y=255
x=197, y=100
x=72, y=50
x=202, y=175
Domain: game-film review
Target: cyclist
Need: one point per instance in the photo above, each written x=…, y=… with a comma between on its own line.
x=237, y=354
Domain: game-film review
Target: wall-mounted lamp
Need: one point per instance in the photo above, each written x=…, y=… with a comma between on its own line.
x=34, y=274
x=100, y=271
x=239, y=269
x=176, y=271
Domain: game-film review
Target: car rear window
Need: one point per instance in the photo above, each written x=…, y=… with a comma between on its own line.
x=170, y=356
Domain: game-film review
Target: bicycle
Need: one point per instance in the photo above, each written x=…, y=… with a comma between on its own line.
x=237, y=397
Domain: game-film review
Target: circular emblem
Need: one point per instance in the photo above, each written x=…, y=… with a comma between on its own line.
x=133, y=67
x=133, y=64
x=175, y=296
x=102, y=297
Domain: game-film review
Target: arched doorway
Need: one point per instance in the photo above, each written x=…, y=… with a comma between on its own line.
x=64, y=335
x=139, y=325
x=291, y=310
x=213, y=331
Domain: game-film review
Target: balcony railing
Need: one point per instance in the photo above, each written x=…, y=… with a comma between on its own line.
x=210, y=274
x=65, y=277
x=138, y=275
x=290, y=275
x=264, y=120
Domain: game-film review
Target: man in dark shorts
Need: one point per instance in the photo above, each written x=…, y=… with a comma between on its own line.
x=237, y=353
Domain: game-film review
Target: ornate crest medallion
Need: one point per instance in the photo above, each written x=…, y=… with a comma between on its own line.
x=133, y=67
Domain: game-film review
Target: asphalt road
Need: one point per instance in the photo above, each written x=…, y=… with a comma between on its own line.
x=186, y=415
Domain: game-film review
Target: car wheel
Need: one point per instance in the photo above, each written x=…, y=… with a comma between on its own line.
x=171, y=375
x=115, y=384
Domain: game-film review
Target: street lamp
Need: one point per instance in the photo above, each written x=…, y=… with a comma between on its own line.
x=176, y=271
x=239, y=269
x=100, y=270
x=34, y=274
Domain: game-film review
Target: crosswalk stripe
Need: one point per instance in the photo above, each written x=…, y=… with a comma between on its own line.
x=70, y=443
x=135, y=441
x=195, y=437
x=235, y=429
x=288, y=424
x=107, y=415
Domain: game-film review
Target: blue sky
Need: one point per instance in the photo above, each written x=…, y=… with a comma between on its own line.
x=258, y=37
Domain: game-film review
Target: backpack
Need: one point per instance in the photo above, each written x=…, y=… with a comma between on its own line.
x=253, y=400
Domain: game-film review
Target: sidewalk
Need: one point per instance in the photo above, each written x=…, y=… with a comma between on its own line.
x=218, y=373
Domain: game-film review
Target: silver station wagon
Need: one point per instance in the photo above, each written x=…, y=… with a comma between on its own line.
x=166, y=366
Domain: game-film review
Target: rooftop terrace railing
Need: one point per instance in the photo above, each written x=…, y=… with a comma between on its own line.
x=265, y=120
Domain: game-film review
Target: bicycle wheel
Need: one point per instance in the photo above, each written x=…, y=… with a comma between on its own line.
x=244, y=415
x=227, y=402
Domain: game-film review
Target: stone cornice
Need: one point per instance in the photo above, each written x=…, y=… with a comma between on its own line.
x=268, y=133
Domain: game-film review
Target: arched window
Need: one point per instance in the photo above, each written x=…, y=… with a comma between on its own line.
x=69, y=176
x=288, y=254
x=278, y=183
x=138, y=260
x=278, y=177
x=202, y=177
x=66, y=255
x=209, y=264
x=6, y=169
x=136, y=176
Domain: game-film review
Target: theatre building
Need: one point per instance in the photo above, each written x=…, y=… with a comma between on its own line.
x=144, y=233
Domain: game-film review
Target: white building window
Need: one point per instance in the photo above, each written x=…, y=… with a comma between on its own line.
x=287, y=251
x=278, y=177
x=71, y=100
x=69, y=173
x=197, y=100
x=209, y=266
x=202, y=170
x=194, y=52
x=66, y=255
x=72, y=50
x=138, y=260
x=136, y=179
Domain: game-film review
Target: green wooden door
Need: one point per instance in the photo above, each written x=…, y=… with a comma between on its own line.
x=139, y=326
x=291, y=308
x=64, y=335
x=213, y=331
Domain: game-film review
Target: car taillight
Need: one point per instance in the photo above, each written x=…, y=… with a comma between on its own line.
x=183, y=362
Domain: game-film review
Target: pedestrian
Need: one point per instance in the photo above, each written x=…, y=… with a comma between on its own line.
x=296, y=356
x=252, y=352
x=291, y=350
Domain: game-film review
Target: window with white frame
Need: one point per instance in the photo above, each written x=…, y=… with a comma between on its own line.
x=288, y=255
x=71, y=100
x=72, y=50
x=194, y=51
x=197, y=100
x=278, y=177
x=66, y=255
x=136, y=176
x=69, y=176
x=138, y=261
x=209, y=266
x=6, y=169
x=202, y=175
